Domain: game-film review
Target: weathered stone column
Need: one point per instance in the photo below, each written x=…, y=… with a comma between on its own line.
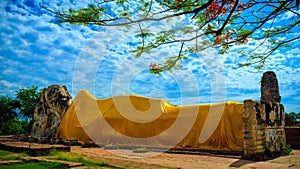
x=264, y=134
x=275, y=116
x=275, y=134
x=254, y=130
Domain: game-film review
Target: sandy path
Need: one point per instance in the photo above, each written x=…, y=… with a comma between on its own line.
x=184, y=161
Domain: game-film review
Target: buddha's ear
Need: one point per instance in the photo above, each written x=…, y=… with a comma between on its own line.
x=42, y=97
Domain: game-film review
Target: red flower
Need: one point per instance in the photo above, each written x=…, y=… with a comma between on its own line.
x=218, y=40
x=214, y=10
x=153, y=66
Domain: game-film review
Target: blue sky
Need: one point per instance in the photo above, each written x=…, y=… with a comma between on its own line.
x=34, y=50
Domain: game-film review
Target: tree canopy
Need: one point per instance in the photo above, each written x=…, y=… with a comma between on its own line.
x=16, y=115
x=28, y=98
x=8, y=110
x=292, y=119
x=220, y=24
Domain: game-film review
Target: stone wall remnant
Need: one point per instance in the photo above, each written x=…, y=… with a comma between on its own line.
x=49, y=111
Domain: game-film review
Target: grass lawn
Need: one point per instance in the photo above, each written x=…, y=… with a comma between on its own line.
x=67, y=156
x=7, y=155
x=33, y=165
x=54, y=155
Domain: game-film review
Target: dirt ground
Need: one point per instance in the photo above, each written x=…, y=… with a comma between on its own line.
x=147, y=160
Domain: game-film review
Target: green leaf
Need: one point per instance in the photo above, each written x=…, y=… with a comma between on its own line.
x=244, y=33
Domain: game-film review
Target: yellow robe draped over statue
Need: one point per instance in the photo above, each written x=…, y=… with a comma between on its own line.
x=135, y=121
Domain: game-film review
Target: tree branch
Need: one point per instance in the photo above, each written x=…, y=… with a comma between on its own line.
x=282, y=43
x=104, y=22
x=234, y=27
x=176, y=60
x=204, y=6
x=227, y=19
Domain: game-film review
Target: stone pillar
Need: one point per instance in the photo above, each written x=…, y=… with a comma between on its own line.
x=275, y=116
x=275, y=134
x=264, y=134
x=254, y=130
x=269, y=88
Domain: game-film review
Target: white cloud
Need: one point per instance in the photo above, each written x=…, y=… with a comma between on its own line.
x=289, y=15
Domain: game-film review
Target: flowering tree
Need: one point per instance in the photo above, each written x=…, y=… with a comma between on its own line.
x=212, y=23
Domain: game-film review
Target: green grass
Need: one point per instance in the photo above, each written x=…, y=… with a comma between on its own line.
x=80, y=159
x=54, y=155
x=6, y=136
x=287, y=150
x=7, y=155
x=11, y=158
x=34, y=165
x=53, y=152
x=4, y=153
